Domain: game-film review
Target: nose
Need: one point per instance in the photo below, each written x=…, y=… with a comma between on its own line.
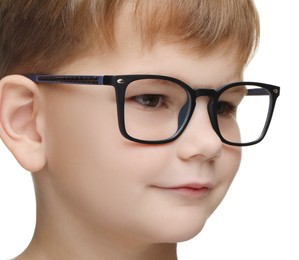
x=199, y=140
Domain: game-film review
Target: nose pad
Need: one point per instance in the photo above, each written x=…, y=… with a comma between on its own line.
x=199, y=138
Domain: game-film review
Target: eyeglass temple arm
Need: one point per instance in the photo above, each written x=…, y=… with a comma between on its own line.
x=67, y=79
x=257, y=92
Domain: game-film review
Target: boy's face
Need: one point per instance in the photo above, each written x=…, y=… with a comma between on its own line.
x=132, y=190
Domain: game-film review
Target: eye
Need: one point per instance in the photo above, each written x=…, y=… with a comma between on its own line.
x=225, y=109
x=150, y=100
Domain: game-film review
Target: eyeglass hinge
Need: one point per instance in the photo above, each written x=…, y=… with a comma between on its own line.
x=120, y=81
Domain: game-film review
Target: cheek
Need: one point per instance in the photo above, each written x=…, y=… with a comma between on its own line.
x=92, y=167
x=77, y=122
x=81, y=133
x=229, y=163
x=226, y=170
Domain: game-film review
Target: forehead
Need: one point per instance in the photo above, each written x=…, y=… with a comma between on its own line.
x=170, y=57
x=200, y=26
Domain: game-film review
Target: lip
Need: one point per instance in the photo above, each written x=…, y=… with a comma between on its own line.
x=193, y=190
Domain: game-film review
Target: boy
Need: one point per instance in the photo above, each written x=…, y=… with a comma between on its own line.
x=126, y=166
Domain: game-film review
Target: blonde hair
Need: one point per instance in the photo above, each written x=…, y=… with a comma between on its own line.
x=41, y=36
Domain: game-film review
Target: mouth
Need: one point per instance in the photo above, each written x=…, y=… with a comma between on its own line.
x=192, y=190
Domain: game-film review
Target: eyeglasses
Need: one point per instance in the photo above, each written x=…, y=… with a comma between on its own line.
x=155, y=109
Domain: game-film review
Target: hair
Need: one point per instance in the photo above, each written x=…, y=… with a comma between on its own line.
x=41, y=36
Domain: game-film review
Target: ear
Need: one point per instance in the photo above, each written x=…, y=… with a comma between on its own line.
x=21, y=121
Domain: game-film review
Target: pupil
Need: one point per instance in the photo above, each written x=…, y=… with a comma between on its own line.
x=149, y=100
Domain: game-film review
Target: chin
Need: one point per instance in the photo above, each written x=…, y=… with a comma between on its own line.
x=180, y=233
x=189, y=234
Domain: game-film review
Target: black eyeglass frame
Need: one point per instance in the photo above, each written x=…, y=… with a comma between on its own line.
x=121, y=82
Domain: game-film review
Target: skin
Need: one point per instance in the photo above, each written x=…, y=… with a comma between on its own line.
x=99, y=195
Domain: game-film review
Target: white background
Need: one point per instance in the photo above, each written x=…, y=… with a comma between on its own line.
x=259, y=218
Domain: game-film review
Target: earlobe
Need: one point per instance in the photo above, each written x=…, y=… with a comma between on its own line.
x=21, y=120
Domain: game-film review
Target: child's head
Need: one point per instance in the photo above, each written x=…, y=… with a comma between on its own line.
x=90, y=179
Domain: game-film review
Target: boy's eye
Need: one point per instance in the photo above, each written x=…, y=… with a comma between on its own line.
x=225, y=109
x=150, y=100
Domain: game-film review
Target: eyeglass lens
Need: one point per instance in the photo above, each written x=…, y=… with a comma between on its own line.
x=156, y=110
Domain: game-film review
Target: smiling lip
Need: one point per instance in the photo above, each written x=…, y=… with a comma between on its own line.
x=194, y=190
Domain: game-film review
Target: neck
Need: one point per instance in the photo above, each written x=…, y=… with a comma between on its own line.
x=59, y=249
